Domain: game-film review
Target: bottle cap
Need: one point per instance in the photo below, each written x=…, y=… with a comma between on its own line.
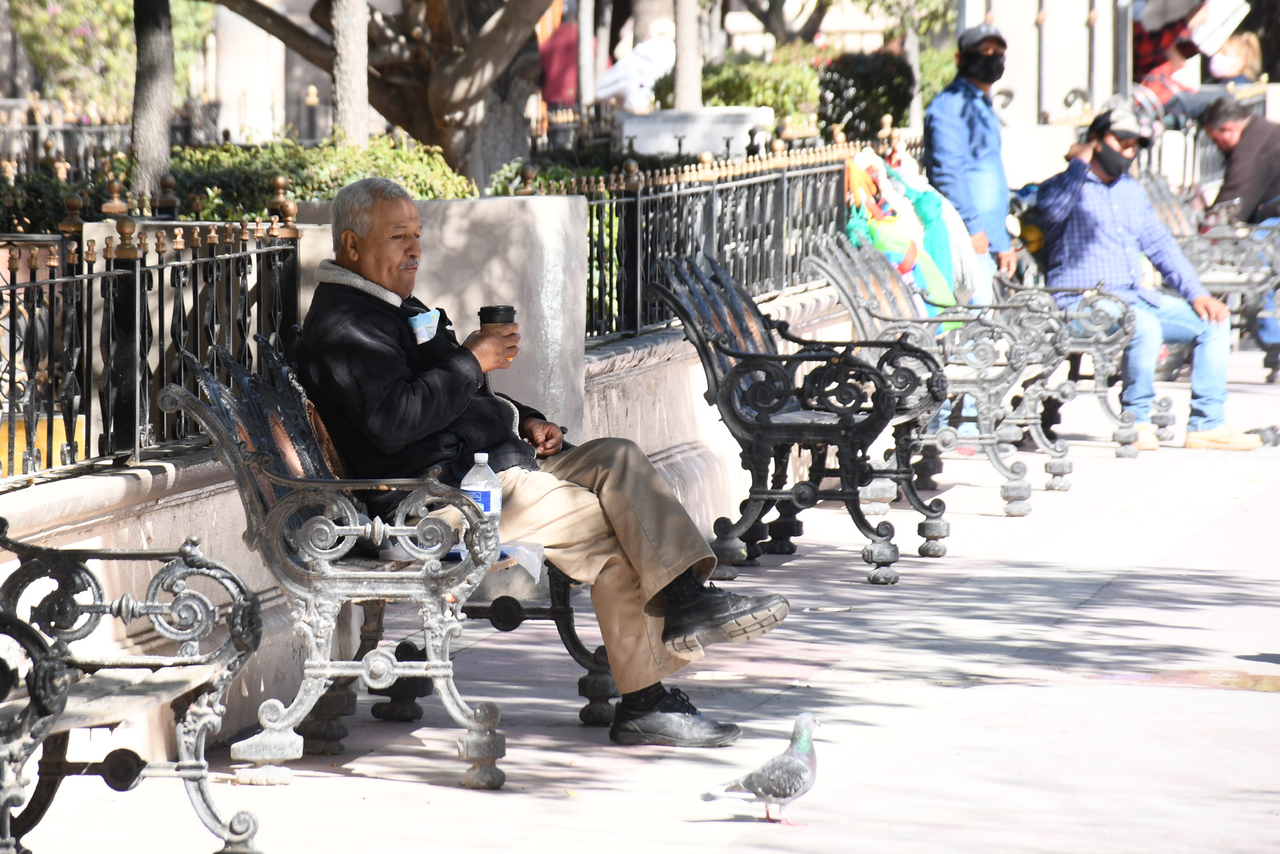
x=482, y=458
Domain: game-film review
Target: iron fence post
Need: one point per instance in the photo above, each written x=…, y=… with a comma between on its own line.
x=780, y=226
x=631, y=296
x=122, y=380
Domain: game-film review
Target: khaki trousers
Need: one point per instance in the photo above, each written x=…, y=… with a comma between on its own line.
x=607, y=518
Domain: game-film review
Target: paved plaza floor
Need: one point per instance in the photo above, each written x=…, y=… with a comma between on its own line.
x=1102, y=675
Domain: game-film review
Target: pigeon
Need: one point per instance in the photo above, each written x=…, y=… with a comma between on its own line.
x=783, y=778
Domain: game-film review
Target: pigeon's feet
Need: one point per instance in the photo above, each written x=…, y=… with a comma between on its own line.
x=673, y=721
x=718, y=616
x=786, y=822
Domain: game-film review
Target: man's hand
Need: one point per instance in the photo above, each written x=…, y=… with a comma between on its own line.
x=1007, y=261
x=980, y=243
x=1082, y=151
x=1211, y=309
x=546, y=438
x=494, y=348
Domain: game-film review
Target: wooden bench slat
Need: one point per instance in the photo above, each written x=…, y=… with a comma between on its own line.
x=109, y=697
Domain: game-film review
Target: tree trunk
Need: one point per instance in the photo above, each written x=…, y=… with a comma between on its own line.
x=152, y=94
x=645, y=12
x=688, y=75
x=911, y=52
x=351, y=71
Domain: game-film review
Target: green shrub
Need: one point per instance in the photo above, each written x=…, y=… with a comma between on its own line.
x=789, y=87
x=937, y=70
x=566, y=164
x=858, y=88
x=234, y=182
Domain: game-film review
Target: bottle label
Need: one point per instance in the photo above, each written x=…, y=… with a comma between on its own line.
x=490, y=500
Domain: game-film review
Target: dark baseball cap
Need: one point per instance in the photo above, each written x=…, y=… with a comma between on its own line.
x=975, y=36
x=1121, y=122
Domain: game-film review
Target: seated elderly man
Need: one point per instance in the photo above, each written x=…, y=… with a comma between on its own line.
x=396, y=407
x=1100, y=225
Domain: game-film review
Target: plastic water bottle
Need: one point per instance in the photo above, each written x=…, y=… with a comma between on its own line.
x=483, y=487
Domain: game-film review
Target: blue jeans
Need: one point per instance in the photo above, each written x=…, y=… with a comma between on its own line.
x=984, y=289
x=1174, y=321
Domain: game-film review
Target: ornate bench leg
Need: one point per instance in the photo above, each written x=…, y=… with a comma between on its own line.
x=52, y=771
x=402, y=695
x=202, y=717
x=880, y=552
x=278, y=742
x=928, y=467
x=597, y=685
x=731, y=545
x=482, y=745
x=1162, y=416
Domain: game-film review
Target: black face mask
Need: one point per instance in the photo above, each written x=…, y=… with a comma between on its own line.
x=1113, y=162
x=985, y=68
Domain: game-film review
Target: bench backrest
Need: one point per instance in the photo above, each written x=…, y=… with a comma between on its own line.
x=261, y=418
x=1176, y=215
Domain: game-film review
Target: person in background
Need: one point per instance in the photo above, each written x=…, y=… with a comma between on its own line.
x=1250, y=190
x=1100, y=225
x=1238, y=61
x=962, y=152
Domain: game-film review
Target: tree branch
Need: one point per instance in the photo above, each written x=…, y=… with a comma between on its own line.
x=809, y=30
x=310, y=48
x=459, y=83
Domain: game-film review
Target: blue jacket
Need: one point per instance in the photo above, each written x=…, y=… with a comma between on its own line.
x=962, y=158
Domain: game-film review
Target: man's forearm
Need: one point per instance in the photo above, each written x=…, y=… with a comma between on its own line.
x=1058, y=196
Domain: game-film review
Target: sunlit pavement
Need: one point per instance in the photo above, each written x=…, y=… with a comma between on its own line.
x=1099, y=676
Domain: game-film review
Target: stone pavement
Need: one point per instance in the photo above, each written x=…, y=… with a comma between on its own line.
x=1099, y=676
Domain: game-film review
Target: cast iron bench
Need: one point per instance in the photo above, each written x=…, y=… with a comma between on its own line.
x=1234, y=264
x=306, y=522
x=824, y=395
x=69, y=686
x=987, y=350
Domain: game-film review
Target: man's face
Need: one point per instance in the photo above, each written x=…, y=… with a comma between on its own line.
x=1128, y=147
x=388, y=255
x=1226, y=136
x=986, y=47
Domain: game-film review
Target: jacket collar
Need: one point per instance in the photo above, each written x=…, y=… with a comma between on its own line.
x=332, y=273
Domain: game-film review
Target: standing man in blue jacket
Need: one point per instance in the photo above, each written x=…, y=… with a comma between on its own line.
x=962, y=152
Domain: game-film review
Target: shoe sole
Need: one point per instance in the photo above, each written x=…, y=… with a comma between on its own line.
x=740, y=630
x=633, y=739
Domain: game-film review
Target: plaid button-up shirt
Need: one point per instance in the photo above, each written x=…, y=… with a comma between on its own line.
x=1099, y=232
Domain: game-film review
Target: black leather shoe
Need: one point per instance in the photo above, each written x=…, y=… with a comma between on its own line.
x=673, y=721
x=718, y=616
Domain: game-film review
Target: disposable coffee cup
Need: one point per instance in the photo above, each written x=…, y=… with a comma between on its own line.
x=496, y=315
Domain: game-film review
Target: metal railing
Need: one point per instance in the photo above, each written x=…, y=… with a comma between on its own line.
x=756, y=216
x=90, y=333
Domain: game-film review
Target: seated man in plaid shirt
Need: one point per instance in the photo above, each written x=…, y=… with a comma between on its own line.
x=1101, y=224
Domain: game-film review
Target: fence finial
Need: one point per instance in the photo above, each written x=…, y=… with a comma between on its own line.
x=167, y=198
x=73, y=223
x=528, y=185
x=114, y=206
x=631, y=171
x=125, y=227
x=279, y=184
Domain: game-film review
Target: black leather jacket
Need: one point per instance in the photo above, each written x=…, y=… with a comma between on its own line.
x=395, y=407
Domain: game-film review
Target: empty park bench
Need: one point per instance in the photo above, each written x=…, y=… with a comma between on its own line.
x=986, y=351
x=307, y=523
x=822, y=396
x=71, y=684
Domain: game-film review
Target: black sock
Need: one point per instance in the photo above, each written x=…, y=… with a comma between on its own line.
x=683, y=589
x=645, y=698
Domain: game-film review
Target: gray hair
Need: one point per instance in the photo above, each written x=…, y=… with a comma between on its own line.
x=349, y=209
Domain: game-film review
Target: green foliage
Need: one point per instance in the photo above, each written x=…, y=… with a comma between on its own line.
x=931, y=16
x=84, y=49
x=566, y=164
x=34, y=204
x=937, y=70
x=234, y=182
x=790, y=87
x=859, y=88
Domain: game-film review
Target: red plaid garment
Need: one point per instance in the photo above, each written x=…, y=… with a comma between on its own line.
x=1150, y=49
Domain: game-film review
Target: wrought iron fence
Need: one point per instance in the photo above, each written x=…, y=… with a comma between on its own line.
x=756, y=216
x=90, y=332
